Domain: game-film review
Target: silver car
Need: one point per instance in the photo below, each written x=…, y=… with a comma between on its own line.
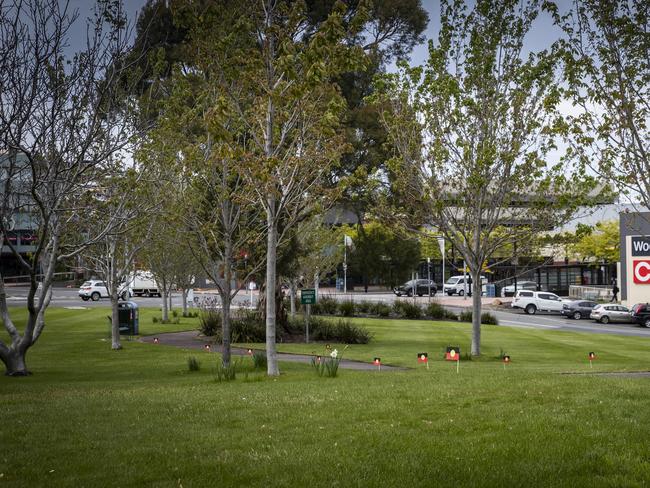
x=611, y=313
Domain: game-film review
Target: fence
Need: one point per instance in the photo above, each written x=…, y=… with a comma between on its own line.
x=594, y=292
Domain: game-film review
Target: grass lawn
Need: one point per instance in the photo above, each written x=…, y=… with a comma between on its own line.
x=94, y=417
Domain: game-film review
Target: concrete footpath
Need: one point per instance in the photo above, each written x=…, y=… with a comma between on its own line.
x=191, y=340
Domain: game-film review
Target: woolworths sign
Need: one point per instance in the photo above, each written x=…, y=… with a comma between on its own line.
x=640, y=246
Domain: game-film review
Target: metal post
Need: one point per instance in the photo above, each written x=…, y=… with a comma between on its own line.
x=429, y=279
x=441, y=243
x=307, y=324
x=345, y=265
x=464, y=280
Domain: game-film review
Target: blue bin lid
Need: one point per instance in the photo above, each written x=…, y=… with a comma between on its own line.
x=128, y=305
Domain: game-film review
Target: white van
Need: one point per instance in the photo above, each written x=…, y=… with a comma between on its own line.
x=456, y=284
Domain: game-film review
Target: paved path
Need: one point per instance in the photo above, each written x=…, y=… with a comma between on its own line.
x=190, y=340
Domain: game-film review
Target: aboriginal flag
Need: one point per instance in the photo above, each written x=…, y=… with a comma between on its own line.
x=592, y=356
x=453, y=353
x=423, y=357
x=506, y=359
x=376, y=361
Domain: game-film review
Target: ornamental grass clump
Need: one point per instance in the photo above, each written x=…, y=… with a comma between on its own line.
x=489, y=319
x=193, y=364
x=380, y=308
x=328, y=305
x=347, y=308
x=465, y=316
x=259, y=360
x=435, y=311
x=226, y=373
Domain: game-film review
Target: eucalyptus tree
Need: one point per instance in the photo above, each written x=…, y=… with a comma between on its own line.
x=58, y=127
x=472, y=129
x=607, y=69
x=279, y=89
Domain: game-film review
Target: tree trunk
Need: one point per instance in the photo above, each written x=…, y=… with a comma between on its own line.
x=165, y=311
x=225, y=325
x=184, y=298
x=476, y=313
x=292, y=298
x=271, y=262
x=14, y=361
x=115, y=323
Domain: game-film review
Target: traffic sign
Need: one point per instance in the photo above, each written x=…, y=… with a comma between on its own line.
x=308, y=296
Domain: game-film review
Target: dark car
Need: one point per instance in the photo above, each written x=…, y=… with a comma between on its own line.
x=641, y=314
x=421, y=288
x=579, y=309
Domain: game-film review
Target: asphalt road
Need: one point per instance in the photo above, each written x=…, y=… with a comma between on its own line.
x=68, y=297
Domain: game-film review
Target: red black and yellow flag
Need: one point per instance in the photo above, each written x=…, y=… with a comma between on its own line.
x=423, y=357
x=506, y=359
x=453, y=353
x=592, y=356
x=377, y=361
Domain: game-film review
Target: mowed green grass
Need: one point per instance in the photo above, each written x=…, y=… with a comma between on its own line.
x=94, y=417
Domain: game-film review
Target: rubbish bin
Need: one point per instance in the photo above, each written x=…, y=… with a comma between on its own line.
x=129, y=318
x=491, y=290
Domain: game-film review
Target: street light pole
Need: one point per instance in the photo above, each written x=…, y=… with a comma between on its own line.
x=429, y=276
x=345, y=264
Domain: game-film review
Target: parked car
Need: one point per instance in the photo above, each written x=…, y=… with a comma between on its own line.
x=509, y=291
x=532, y=301
x=611, y=313
x=456, y=285
x=96, y=289
x=640, y=314
x=421, y=288
x=578, y=309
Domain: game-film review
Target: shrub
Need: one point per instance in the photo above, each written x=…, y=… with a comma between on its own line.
x=407, y=310
x=316, y=309
x=193, y=364
x=489, y=319
x=347, y=308
x=174, y=313
x=247, y=326
x=450, y=315
x=210, y=322
x=435, y=311
x=342, y=331
x=466, y=316
x=364, y=306
x=154, y=320
x=381, y=309
x=328, y=305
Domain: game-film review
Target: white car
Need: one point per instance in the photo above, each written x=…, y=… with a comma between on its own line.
x=96, y=289
x=532, y=301
x=611, y=313
x=508, y=291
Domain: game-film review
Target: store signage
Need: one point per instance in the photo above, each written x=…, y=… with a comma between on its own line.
x=641, y=271
x=640, y=246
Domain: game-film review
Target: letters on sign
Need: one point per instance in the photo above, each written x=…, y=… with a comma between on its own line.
x=640, y=246
x=641, y=271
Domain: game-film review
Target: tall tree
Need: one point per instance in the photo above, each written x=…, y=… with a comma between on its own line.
x=472, y=129
x=287, y=109
x=607, y=69
x=58, y=128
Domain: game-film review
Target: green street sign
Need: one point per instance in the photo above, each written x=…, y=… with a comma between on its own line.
x=308, y=296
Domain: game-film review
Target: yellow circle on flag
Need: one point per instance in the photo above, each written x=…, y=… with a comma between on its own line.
x=452, y=353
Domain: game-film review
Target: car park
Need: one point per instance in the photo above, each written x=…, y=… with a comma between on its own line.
x=419, y=287
x=509, y=291
x=533, y=301
x=578, y=309
x=611, y=312
x=96, y=289
x=640, y=314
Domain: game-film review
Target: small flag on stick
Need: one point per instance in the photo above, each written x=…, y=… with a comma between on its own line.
x=207, y=347
x=250, y=352
x=155, y=340
x=592, y=357
x=377, y=362
x=453, y=354
x=423, y=357
x=506, y=360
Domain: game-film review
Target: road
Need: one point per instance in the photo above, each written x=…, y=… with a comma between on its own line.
x=68, y=297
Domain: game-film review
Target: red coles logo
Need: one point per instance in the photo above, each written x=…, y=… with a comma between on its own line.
x=641, y=271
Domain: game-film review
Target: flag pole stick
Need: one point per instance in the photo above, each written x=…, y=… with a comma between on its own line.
x=457, y=366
